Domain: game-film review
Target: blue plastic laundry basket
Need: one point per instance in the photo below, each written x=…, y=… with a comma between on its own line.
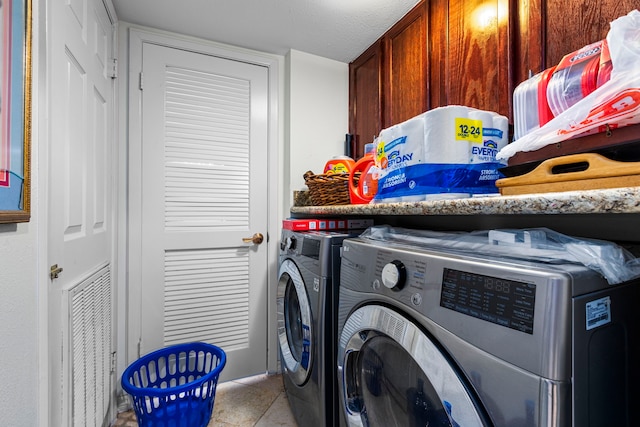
x=175, y=386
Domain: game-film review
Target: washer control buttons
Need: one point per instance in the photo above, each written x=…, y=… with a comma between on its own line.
x=416, y=299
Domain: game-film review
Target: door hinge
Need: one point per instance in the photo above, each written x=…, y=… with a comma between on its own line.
x=140, y=81
x=113, y=362
x=54, y=271
x=113, y=72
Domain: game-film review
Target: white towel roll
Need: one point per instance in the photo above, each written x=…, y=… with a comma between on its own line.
x=440, y=129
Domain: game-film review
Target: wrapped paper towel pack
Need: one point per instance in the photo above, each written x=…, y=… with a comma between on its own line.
x=447, y=152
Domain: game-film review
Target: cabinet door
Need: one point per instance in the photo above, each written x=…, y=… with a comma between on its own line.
x=365, y=97
x=548, y=32
x=471, y=42
x=406, y=67
x=528, y=46
x=587, y=23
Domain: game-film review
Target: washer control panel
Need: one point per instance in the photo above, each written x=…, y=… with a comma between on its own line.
x=501, y=301
x=431, y=281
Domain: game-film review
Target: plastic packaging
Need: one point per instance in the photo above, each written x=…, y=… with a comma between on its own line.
x=363, y=189
x=616, y=103
x=547, y=94
x=604, y=71
x=530, y=107
x=339, y=164
x=615, y=263
x=574, y=78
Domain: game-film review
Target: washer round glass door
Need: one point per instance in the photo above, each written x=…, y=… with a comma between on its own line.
x=392, y=374
x=294, y=323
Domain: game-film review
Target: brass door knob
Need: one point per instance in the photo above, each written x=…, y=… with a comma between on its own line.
x=256, y=239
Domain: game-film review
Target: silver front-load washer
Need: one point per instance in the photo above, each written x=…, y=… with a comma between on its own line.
x=440, y=338
x=306, y=304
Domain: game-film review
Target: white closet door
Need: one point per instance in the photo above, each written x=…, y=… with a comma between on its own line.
x=81, y=225
x=204, y=189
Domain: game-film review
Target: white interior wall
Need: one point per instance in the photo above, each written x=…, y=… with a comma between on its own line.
x=318, y=115
x=23, y=367
x=19, y=369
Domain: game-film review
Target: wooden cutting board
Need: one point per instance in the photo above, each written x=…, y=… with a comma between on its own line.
x=585, y=171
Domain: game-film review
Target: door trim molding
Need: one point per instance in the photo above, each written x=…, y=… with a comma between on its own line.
x=131, y=41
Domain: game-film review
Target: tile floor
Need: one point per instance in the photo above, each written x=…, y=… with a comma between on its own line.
x=258, y=401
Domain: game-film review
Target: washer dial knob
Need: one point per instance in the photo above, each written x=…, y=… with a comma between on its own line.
x=394, y=275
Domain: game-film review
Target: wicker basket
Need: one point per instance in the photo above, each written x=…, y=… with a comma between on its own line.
x=328, y=189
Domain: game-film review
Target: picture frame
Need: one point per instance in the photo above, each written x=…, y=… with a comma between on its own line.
x=15, y=110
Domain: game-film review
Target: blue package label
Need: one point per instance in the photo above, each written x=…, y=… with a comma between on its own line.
x=393, y=144
x=394, y=155
x=485, y=152
x=487, y=132
x=438, y=178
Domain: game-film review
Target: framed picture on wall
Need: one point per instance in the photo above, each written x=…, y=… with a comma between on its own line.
x=15, y=110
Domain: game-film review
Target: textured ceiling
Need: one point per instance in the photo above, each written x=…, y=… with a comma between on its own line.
x=335, y=29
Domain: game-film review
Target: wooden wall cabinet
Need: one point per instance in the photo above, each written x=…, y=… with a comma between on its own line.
x=365, y=97
x=388, y=83
x=470, y=54
x=467, y=52
x=406, y=68
x=443, y=52
x=548, y=30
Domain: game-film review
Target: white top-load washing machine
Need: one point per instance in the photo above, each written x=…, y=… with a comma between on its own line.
x=430, y=336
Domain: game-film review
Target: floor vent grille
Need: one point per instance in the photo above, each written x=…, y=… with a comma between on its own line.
x=90, y=322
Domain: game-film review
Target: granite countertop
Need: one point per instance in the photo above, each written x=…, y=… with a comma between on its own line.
x=617, y=200
x=609, y=214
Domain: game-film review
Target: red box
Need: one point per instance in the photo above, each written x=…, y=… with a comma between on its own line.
x=326, y=224
x=300, y=224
